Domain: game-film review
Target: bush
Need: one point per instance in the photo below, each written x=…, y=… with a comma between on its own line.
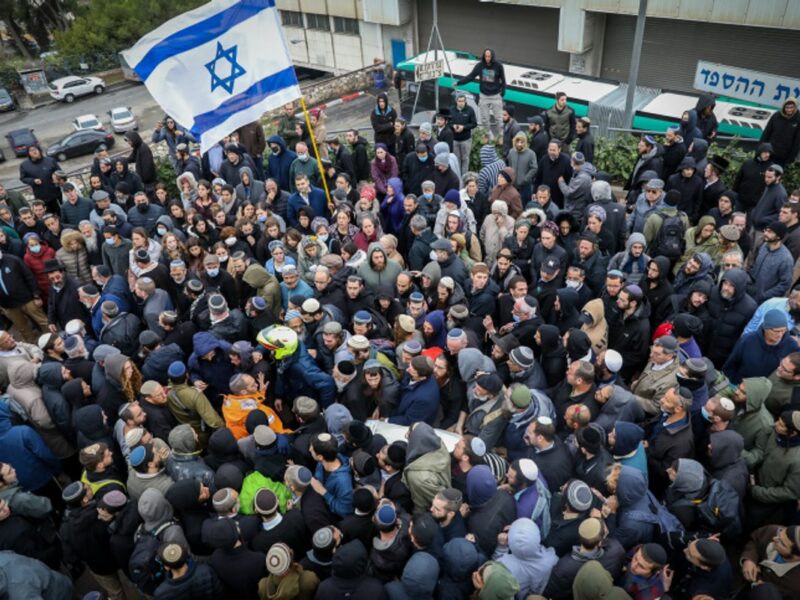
x=166, y=174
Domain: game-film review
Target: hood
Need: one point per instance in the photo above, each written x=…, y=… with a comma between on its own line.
x=703, y=286
x=500, y=585
x=181, y=439
x=420, y=575
x=758, y=389
x=222, y=443
x=704, y=102
x=459, y=558
x=691, y=123
x=349, y=560
x=551, y=339
x=256, y=276
x=596, y=309
x=134, y=138
x=372, y=248
x=71, y=390
x=187, y=176
x=278, y=141
x=764, y=147
x=154, y=508
x=247, y=171
x=382, y=96
x=491, y=55
x=629, y=436
x=699, y=150
x=592, y=582
x=568, y=299
x=631, y=486
x=706, y=264
x=524, y=540
x=337, y=417
x=421, y=440
x=500, y=207
x=113, y=367
x=664, y=267
x=690, y=479
x=184, y=495
x=397, y=186
x=50, y=375
x=635, y=238
x=89, y=421
x=481, y=485
x=438, y=338
x=488, y=155
x=789, y=101
x=434, y=271
x=205, y=342
x=726, y=448
x=471, y=360
x=22, y=374
x=739, y=279
x=166, y=221
x=441, y=148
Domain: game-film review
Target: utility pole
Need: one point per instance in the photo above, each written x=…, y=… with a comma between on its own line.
x=435, y=42
x=633, y=73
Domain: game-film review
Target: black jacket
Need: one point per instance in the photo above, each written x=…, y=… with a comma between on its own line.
x=85, y=538
x=559, y=587
x=419, y=254
x=383, y=123
x=548, y=173
x=349, y=580
x=239, y=570
x=291, y=531
x=157, y=362
x=160, y=419
x=489, y=519
x=361, y=160
x=729, y=316
x=555, y=463
x=782, y=132
x=414, y=172
x=142, y=158
x=673, y=155
x=691, y=190
x=631, y=338
x=199, y=583
x=491, y=76
x=749, y=182
x=18, y=284
x=43, y=170
x=63, y=305
x=465, y=118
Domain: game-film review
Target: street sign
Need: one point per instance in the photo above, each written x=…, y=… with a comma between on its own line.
x=755, y=86
x=430, y=70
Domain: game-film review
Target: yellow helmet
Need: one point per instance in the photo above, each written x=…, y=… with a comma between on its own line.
x=280, y=339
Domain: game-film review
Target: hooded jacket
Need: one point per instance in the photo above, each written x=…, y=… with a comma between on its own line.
x=597, y=330
x=772, y=272
x=427, y=465
x=265, y=284
x=628, y=448
x=729, y=316
x=21, y=446
x=459, y=561
x=491, y=76
x=383, y=121
x=499, y=584
x=490, y=509
x=253, y=192
x=753, y=421
x=387, y=275
x=768, y=206
x=783, y=132
x=526, y=558
x=631, y=338
x=726, y=462
x=634, y=498
x=279, y=164
x=155, y=512
x=491, y=165
x=420, y=576
x=593, y=582
x=217, y=372
x=749, y=182
x=752, y=357
x=348, y=580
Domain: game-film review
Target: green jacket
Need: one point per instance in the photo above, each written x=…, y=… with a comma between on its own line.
x=780, y=395
x=754, y=423
x=653, y=223
x=286, y=129
x=266, y=286
x=779, y=475
x=15, y=201
x=500, y=583
x=427, y=466
x=308, y=168
x=593, y=582
x=189, y=405
x=255, y=482
x=652, y=385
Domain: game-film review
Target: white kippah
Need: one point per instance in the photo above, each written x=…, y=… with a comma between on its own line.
x=727, y=404
x=528, y=469
x=478, y=447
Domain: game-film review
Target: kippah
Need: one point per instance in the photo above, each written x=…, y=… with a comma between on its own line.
x=72, y=492
x=712, y=552
x=279, y=559
x=176, y=369
x=655, y=553
x=323, y=538
x=478, y=446
x=590, y=530
x=138, y=455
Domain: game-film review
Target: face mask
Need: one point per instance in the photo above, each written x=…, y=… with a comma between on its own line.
x=516, y=318
x=573, y=284
x=422, y=158
x=110, y=241
x=162, y=231
x=323, y=238
x=705, y=414
x=427, y=195
x=142, y=207
x=262, y=218
x=303, y=157
x=212, y=272
x=35, y=249
x=230, y=241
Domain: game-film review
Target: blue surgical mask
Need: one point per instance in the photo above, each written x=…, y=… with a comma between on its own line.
x=162, y=231
x=35, y=249
x=705, y=414
x=110, y=241
x=516, y=318
x=262, y=218
x=422, y=158
x=427, y=195
x=303, y=157
x=323, y=237
x=212, y=272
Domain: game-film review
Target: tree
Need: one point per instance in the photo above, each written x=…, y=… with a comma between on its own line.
x=38, y=18
x=109, y=26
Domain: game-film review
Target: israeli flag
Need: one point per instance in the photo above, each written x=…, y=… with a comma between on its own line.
x=218, y=67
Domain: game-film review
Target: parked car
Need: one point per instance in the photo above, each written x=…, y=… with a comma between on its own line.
x=87, y=123
x=79, y=143
x=6, y=101
x=122, y=119
x=68, y=88
x=20, y=139
x=2, y=156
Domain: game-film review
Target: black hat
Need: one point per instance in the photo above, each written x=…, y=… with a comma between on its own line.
x=491, y=382
x=444, y=112
x=149, y=338
x=550, y=266
x=221, y=533
x=52, y=265
x=535, y=120
x=686, y=325
x=363, y=501
x=364, y=464
x=142, y=256
x=424, y=528
x=777, y=228
x=591, y=438
x=672, y=197
x=655, y=553
x=358, y=432
x=719, y=162
x=711, y=551
x=396, y=454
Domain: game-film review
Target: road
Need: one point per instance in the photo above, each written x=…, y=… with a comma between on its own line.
x=52, y=122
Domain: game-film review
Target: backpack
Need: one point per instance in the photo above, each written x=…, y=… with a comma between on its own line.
x=657, y=514
x=146, y=571
x=719, y=512
x=669, y=242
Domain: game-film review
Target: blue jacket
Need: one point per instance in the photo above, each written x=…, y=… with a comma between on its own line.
x=628, y=449
x=766, y=306
x=156, y=364
x=21, y=446
x=752, y=357
x=633, y=497
x=418, y=402
x=118, y=286
x=772, y=272
x=97, y=314
x=146, y=219
x=279, y=164
x=338, y=487
x=216, y=373
x=302, y=288
x=299, y=375
x=317, y=202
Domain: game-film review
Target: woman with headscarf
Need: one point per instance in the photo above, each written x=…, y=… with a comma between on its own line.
x=434, y=330
x=392, y=205
x=594, y=324
x=551, y=353
x=524, y=555
x=383, y=168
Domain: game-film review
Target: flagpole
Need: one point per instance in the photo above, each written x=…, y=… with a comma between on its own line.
x=323, y=175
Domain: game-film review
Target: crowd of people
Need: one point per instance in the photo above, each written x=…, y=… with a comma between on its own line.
x=436, y=382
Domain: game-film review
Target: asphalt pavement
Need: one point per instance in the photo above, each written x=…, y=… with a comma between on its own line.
x=52, y=122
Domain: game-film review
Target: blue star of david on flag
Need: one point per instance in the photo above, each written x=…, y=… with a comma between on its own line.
x=236, y=70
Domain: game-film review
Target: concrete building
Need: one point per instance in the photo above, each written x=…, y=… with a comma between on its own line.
x=591, y=37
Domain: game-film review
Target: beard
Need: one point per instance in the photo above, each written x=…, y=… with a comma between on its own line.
x=91, y=243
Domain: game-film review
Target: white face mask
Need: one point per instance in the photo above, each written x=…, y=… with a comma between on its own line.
x=573, y=284
x=230, y=241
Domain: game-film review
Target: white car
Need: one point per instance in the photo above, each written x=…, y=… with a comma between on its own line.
x=67, y=89
x=87, y=123
x=122, y=119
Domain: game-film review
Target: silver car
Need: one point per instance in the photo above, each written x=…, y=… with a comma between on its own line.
x=122, y=119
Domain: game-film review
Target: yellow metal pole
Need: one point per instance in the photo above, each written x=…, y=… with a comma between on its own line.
x=316, y=153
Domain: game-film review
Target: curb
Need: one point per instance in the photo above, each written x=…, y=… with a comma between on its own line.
x=109, y=88
x=338, y=101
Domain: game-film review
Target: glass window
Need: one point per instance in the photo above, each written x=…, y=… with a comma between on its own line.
x=320, y=22
x=291, y=18
x=345, y=25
